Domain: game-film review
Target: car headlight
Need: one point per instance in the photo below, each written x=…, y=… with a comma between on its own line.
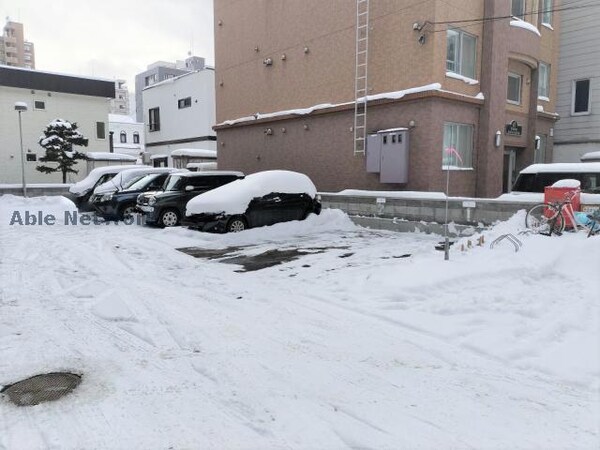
x=152, y=201
x=106, y=198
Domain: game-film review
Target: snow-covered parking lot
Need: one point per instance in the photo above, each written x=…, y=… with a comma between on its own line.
x=354, y=344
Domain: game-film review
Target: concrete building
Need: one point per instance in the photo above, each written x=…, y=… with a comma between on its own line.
x=180, y=113
x=49, y=96
x=161, y=71
x=578, y=104
x=437, y=73
x=126, y=134
x=14, y=49
x=120, y=104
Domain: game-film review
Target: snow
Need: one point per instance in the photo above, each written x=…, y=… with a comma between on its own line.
x=202, y=166
x=563, y=167
x=525, y=25
x=591, y=156
x=391, y=194
x=349, y=348
x=234, y=197
x=567, y=183
x=90, y=180
x=457, y=76
x=311, y=109
x=392, y=130
x=105, y=156
x=480, y=96
x=540, y=108
x=21, y=105
x=121, y=179
x=195, y=153
x=153, y=157
x=35, y=185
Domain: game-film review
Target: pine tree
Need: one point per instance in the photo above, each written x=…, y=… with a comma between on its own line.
x=58, y=140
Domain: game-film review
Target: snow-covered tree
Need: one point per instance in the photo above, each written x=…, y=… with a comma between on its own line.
x=58, y=140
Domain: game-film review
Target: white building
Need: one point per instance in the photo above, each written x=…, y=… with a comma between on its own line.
x=578, y=130
x=120, y=104
x=180, y=112
x=49, y=96
x=127, y=135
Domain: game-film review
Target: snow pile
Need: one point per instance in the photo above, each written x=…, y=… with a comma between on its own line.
x=567, y=183
x=14, y=209
x=591, y=156
x=122, y=179
x=234, y=197
x=457, y=76
x=368, y=334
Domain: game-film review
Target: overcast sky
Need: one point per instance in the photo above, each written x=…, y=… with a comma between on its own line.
x=113, y=38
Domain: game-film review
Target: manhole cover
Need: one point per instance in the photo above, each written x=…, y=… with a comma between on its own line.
x=41, y=388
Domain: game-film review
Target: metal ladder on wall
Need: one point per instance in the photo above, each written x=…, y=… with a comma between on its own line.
x=361, y=79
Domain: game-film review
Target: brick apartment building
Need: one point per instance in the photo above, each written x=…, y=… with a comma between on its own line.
x=486, y=88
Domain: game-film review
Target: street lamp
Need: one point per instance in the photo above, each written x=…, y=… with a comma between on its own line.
x=20, y=107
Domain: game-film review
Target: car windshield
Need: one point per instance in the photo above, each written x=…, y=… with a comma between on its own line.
x=172, y=183
x=140, y=182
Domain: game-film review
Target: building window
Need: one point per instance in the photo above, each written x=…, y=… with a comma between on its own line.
x=547, y=6
x=39, y=105
x=518, y=8
x=136, y=138
x=461, y=52
x=513, y=94
x=544, y=81
x=123, y=137
x=100, y=130
x=184, y=102
x=581, y=97
x=458, y=146
x=150, y=79
x=154, y=119
x=31, y=157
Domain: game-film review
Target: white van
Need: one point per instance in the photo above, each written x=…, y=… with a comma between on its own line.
x=537, y=176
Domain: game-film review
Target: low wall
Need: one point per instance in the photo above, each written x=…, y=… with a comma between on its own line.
x=35, y=190
x=463, y=211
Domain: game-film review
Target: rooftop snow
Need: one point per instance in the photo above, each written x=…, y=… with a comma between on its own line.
x=525, y=25
x=122, y=118
x=195, y=152
x=311, y=109
x=105, y=156
x=563, y=167
x=591, y=156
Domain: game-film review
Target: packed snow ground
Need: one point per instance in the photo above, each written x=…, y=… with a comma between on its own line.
x=351, y=348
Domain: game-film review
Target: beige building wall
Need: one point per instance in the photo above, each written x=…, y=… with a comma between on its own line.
x=16, y=51
x=311, y=45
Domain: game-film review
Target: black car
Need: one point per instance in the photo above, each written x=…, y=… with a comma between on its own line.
x=120, y=204
x=261, y=199
x=167, y=206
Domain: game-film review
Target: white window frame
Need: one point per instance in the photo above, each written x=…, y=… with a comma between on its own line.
x=547, y=13
x=522, y=14
x=520, y=94
x=574, y=90
x=458, y=63
x=544, y=95
x=466, y=154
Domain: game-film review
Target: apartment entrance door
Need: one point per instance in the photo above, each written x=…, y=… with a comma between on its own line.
x=509, y=169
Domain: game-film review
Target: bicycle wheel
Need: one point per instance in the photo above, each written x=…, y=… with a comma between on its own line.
x=545, y=219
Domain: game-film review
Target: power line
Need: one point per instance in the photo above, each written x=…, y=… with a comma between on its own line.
x=494, y=18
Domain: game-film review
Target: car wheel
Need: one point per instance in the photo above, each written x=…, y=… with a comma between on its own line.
x=127, y=211
x=236, y=224
x=169, y=218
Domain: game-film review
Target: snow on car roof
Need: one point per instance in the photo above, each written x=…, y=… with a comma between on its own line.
x=212, y=173
x=123, y=177
x=591, y=156
x=234, y=197
x=89, y=181
x=563, y=167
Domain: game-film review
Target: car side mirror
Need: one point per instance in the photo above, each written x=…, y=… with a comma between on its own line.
x=189, y=188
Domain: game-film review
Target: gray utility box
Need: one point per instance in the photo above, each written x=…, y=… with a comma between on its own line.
x=387, y=155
